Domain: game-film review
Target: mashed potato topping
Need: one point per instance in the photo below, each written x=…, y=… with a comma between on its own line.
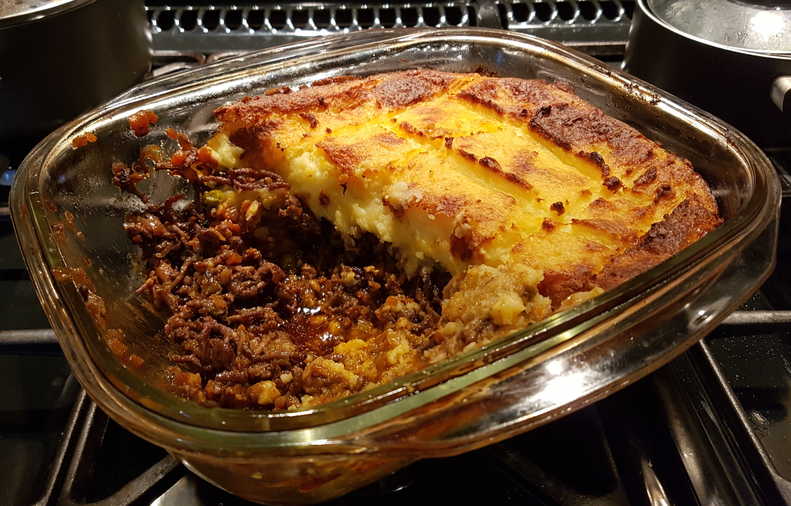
x=463, y=169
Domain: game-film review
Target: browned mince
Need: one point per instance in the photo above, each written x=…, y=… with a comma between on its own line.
x=256, y=316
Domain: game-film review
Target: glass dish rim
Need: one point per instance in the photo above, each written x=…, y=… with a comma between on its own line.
x=371, y=399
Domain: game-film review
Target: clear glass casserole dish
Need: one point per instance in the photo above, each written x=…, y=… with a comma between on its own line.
x=68, y=219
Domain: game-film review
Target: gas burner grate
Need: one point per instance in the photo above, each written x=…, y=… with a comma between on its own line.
x=527, y=14
x=602, y=24
x=307, y=20
x=234, y=27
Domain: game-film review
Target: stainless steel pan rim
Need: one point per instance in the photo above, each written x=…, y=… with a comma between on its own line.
x=772, y=54
x=28, y=11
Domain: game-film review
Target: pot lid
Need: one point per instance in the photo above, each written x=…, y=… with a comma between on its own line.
x=762, y=26
x=22, y=11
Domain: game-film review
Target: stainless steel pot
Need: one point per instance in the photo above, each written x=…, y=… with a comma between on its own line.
x=59, y=58
x=728, y=57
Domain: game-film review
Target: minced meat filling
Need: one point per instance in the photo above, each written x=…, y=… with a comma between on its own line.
x=270, y=307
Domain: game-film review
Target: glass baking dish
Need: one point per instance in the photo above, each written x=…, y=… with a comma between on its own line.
x=68, y=215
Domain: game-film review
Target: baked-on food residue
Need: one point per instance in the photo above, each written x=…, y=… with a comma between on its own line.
x=83, y=140
x=353, y=231
x=141, y=122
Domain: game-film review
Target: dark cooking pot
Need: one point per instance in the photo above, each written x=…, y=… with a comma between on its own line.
x=725, y=56
x=59, y=58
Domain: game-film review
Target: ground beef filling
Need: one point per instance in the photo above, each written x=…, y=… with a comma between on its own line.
x=268, y=306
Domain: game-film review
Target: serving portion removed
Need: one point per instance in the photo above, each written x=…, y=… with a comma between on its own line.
x=246, y=293
x=362, y=228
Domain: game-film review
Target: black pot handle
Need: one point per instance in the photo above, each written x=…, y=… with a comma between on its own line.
x=781, y=93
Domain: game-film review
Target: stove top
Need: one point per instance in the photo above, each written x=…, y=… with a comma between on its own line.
x=711, y=427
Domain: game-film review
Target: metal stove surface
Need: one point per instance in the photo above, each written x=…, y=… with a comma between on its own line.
x=712, y=427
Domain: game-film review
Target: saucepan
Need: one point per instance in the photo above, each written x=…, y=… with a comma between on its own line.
x=731, y=58
x=59, y=58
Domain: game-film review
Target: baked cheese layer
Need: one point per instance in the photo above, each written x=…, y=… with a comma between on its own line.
x=468, y=170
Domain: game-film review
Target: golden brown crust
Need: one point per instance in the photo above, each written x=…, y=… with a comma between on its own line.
x=402, y=89
x=688, y=222
x=252, y=109
x=389, y=90
x=501, y=167
x=557, y=285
